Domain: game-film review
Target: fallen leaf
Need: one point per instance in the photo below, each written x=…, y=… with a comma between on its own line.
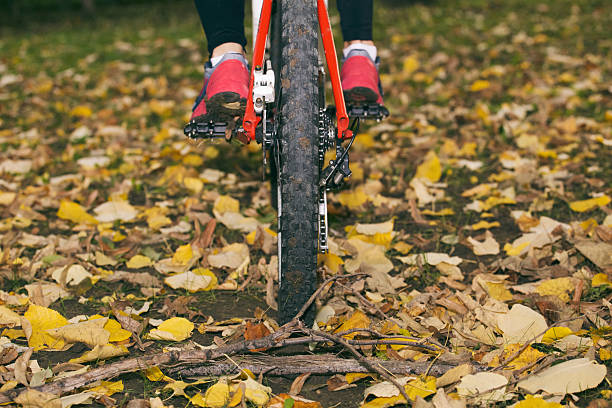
x=234, y=256
x=487, y=247
x=35, y=399
x=532, y=401
x=189, y=281
x=107, y=388
x=489, y=387
x=139, y=261
x=40, y=319
x=522, y=324
x=101, y=353
x=587, y=205
x=112, y=211
x=566, y=378
x=74, y=212
x=430, y=169
x=8, y=317
x=173, y=329
x=90, y=332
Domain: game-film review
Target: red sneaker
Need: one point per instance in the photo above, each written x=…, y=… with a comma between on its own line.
x=360, y=81
x=225, y=90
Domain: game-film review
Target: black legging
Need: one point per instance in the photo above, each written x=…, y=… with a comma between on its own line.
x=223, y=20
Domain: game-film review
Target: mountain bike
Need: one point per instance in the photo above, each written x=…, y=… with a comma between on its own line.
x=286, y=113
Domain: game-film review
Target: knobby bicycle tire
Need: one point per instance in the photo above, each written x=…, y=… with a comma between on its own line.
x=299, y=169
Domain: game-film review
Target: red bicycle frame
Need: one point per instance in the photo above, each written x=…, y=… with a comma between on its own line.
x=251, y=120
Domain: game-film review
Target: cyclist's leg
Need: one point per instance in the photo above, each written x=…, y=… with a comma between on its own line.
x=223, y=22
x=359, y=73
x=226, y=76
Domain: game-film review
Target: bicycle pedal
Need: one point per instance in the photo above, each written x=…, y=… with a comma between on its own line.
x=370, y=111
x=206, y=130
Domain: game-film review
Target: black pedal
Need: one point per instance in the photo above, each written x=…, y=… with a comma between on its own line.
x=369, y=111
x=205, y=130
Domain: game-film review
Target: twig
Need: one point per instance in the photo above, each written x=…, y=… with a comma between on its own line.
x=319, y=290
x=358, y=356
x=369, y=304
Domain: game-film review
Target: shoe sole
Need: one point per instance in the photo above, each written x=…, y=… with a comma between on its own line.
x=225, y=106
x=360, y=94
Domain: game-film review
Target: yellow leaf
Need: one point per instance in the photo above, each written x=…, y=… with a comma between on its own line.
x=139, y=261
x=255, y=392
x=194, y=160
x=482, y=111
x=331, y=261
x=162, y=135
x=225, y=204
x=495, y=201
x=485, y=225
x=116, y=332
x=384, y=402
x=559, y=287
x=197, y=400
x=536, y=402
x=555, y=333
x=515, y=251
x=439, y=213
x=430, y=169
x=358, y=320
x=527, y=357
x=250, y=238
x=156, y=218
x=90, y=332
x=479, y=85
x=588, y=225
x=173, y=329
x=13, y=334
x=587, y=205
x=376, y=239
x=193, y=184
x=81, y=111
x=420, y=388
x=162, y=108
x=74, y=212
x=410, y=65
x=211, y=152
x=101, y=353
x=352, y=377
x=600, y=279
x=183, y=255
x=42, y=319
x=402, y=247
x=353, y=199
x=217, y=396
x=155, y=374
x=498, y=291
x=605, y=354
x=107, y=388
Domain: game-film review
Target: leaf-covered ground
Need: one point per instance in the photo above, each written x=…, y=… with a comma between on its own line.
x=479, y=212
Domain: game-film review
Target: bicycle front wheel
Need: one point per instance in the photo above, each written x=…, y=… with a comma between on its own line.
x=298, y=154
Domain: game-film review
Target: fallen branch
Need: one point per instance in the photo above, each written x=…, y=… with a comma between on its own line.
x=362, y=360
x=300, y=364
